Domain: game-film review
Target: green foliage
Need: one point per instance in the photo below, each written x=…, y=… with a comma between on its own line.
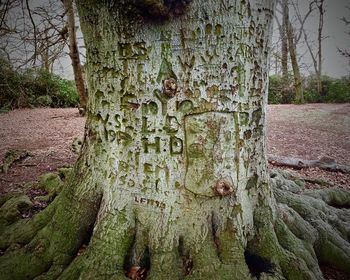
x=34, y=88
x=333, y=90
x=281, y=91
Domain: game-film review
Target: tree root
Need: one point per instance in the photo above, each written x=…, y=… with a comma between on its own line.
x=11, y=157
x=105, y=255
x=42, y=247
x=13, y=207
x=313, y=225
x=310, y=227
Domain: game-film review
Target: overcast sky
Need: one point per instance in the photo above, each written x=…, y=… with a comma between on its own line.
x=334, y=30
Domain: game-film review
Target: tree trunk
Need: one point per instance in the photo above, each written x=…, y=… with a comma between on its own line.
x=299, y=94
x=171, y=181
x=284, y=39
x=75, y=57
x=177, y=104
x=319, y=42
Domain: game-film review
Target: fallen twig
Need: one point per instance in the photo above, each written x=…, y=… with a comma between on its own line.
x=322, y=163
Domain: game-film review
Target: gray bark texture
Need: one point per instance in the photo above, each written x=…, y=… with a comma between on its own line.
x=171, y=181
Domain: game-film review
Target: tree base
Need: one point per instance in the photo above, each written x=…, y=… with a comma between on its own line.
x=311, y=227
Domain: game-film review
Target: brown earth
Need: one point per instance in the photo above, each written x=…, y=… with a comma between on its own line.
x=46, y=133
x=311, y=131
x=307, y=131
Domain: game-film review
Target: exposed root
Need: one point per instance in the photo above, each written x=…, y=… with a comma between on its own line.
x=104, y=257
x=43, y=246
x=310, y=227
x=50, y=183
x=337, y=198
x=14, y=207
x=11, y=157
x=23, y=231
x=265, y=244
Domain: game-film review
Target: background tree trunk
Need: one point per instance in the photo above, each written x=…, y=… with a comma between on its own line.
x=321, y=10
x=284, y=39
x=299, y=94
x=75, y=56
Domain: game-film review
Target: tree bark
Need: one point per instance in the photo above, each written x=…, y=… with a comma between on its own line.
x=177, y=103
x=75, y=57
x=172, y=178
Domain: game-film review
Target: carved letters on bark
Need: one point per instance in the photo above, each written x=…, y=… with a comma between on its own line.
x=179, y=124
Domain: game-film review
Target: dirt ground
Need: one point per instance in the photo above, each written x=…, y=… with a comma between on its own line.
x=46, y=133
x=307, y=131
x=311, y=131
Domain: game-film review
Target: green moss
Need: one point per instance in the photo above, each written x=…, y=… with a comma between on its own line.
x=333, y=255
x=13, y=208
x=50, y=182
x=252, y=182
x=5, y=197
x=244, y=118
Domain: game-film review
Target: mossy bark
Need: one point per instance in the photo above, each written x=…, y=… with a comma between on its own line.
x=172, y=176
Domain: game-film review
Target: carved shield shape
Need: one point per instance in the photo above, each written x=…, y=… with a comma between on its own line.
x=210, y=143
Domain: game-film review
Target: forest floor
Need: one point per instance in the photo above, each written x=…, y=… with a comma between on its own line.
x=308, y=131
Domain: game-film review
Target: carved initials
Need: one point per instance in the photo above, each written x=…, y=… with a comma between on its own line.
x=176, y=145
x=145, y=126
x=171, y=124
x=155, y=145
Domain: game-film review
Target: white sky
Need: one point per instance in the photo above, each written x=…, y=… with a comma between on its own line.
x=334, y=33
x=334, y=30
x=335, y=64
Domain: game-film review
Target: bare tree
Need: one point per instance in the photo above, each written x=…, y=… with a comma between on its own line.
x=52, y=34
x=33, y=35
x=315, y=53
x=292, y=34
x=345, y=52
x=39, y=36
x=299, y=92
x=289, y=42
x=5, y=7
x=281, y=21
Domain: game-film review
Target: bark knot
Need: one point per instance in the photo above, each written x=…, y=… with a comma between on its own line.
x=161, y=9
x=170, y=87
x=223, y=187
